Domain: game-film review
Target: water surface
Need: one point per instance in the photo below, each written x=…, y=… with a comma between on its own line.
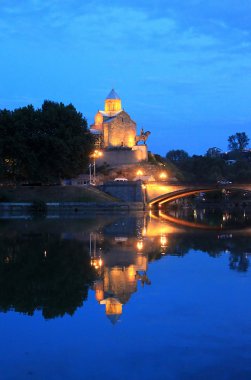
x=124, y=297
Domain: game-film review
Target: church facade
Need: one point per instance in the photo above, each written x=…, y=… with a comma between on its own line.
x=116, y=134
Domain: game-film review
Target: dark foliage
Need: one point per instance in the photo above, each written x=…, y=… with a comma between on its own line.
x=211, y=169
x=239, y=141
x=43, y=272
x=43, y=145
x=177, y=155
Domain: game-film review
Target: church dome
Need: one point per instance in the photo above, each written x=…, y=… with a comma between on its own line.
x=112, y=95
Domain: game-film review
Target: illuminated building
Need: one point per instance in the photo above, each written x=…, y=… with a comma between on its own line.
x=115, y=133
x=118, y=282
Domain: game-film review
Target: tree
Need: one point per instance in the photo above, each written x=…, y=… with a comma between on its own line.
x=239, y=141
x=177, y=155
x=43, y=145
x=213, y=152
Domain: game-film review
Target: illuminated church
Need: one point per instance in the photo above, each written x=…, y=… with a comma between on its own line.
x=116, y=132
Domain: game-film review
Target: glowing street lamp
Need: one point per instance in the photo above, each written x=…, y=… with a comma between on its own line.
x=94, y=155
x=139, y=173
x=163, y=176
x=140, y=245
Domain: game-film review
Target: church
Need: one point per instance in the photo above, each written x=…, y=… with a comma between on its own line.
x=116, y=134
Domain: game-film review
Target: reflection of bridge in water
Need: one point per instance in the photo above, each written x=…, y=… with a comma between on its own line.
x=186, y=223
x=158, y=194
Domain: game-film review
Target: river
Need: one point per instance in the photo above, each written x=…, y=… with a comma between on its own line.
x=126, y=296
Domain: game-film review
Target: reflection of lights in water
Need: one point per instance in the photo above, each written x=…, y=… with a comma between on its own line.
x=163, y=241
x=226, y=216
x=163, y=175
x=140, y=245
x=120, y=238
x=144, y=231
x=45, y=254
x=131, y=272
x=195, y=214
x=97, y=263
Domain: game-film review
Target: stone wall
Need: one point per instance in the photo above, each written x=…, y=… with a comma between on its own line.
x=123, y=156
x=129, y=191
x=121, y=131
x=141, y=152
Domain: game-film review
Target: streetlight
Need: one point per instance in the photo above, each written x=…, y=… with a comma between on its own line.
x=163, y=176
x=94, y=155
x=140, y=245
x=139, y=173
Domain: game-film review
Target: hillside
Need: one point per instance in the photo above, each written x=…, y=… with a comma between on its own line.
x=53, y=194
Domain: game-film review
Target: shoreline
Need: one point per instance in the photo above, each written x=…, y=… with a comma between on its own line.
x=46, y=207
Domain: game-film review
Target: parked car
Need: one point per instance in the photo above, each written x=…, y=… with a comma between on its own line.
x=120, y=179
x=224, y=182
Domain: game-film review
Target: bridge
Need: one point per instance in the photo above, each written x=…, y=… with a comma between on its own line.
x=158, y=194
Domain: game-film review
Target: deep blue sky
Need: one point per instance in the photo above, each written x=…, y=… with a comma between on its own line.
x=181, y=67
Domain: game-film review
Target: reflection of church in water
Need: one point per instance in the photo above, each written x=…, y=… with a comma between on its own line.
x=119, y=269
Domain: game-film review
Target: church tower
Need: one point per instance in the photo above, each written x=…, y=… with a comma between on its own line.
x=113, y=103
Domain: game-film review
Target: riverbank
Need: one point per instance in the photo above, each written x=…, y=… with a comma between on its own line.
x=53, y=194
x=16, y=208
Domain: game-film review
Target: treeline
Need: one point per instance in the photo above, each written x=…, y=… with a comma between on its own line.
x=43, y=272
x=43, y=145
x=215, y=165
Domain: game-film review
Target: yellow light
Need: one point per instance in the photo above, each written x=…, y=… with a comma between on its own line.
x=113, y=105
x=143, y=186
x=96, y=154
x=140, y=245
x=112, y=306
x=131, y=272
x=139, y=172
x=96, y=263
x=163, y=241
x=163, y=175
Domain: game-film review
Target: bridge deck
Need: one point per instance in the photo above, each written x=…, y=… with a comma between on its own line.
x=159, y=193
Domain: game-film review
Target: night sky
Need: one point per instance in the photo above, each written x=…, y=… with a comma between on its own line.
x=181, y=67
